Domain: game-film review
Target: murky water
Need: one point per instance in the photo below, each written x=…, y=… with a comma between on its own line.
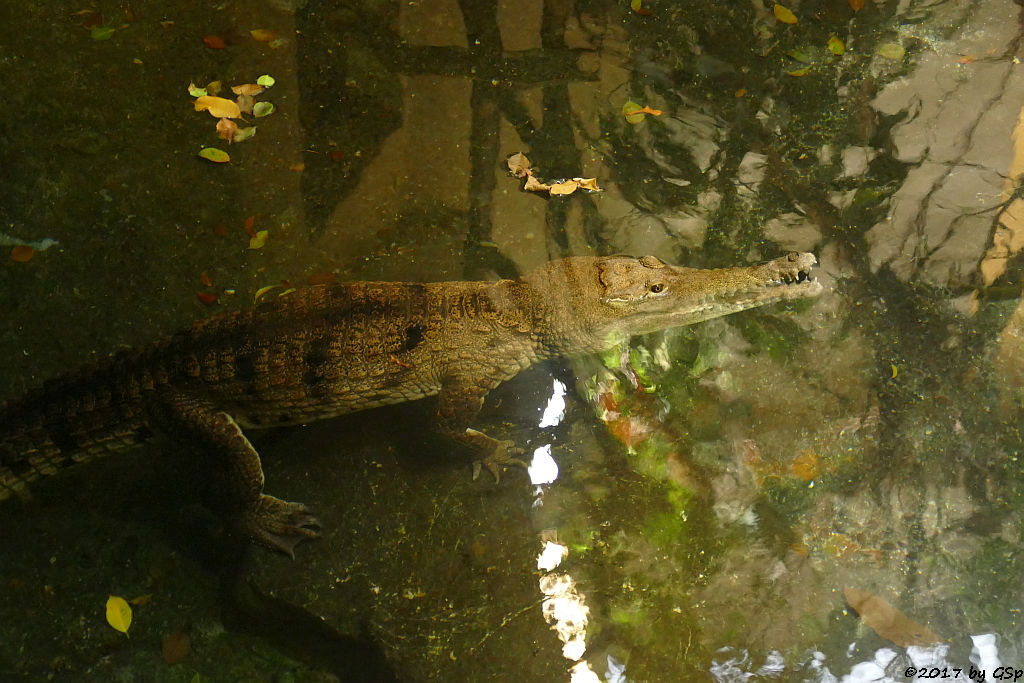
x=819, y=491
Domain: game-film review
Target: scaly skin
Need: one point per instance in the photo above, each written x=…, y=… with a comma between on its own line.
x=328, y=350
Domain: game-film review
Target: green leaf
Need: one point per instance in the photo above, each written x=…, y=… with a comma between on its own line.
x=217, y=156
x=266, y=81
x=631, y=106
x=893, y=51
x=836, y=46
x=119, y=613
x=799, y=72
x=262, y=109
x=800, y=56
x=243, y=134
x=102, y=32
x=195, y=91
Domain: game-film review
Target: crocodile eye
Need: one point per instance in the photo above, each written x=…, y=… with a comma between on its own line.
x=657, y=288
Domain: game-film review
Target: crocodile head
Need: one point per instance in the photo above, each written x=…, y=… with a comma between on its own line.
x=597, y=301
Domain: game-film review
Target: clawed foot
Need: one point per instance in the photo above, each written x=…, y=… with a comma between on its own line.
x=279, y=525
x=498, y=459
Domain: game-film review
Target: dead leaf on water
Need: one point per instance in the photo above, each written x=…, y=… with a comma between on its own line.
x=534, y=185
x=22, y=253
x=563, y=188
x=226, y=129
x=887, y=621
x=247, y=89
x=893, y=51
x=262, y=35
x=519, y=165
x=218, y=107
x=245, y=103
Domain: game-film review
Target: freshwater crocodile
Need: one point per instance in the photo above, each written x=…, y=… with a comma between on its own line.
x=328, y=350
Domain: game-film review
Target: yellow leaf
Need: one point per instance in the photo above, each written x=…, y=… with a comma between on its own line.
x=262, y=35
x=588, y=184
x=259, y=239
x=534, y=185
x=119, y=614
x=567, y=187
x=217, y=156
x=836, y=46
x=799, y=72
x=784, y=15
x=218, y=107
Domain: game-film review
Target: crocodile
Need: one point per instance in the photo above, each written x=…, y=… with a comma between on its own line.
x=326, y=350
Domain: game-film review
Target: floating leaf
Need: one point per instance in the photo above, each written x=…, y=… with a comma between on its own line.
x=893, y=51
x=856, y=5
x=226, y=129
x=176, y=647
x=22, y=253
x=564, y=188
x=243, y=134
x=534, y=185
x=629, y=109
x=261, y=109
x=784, y=15
x=799, y=72
x=143, y=599
x=588, y=184
x=195, y=91
x=259, y=239
x=248, y=227
x=245, y=103
x=208, y=298
x=214, y=87
x=519, y=165
x=836, y=46
x=247, y=89
x=102, y=32
x=217, y=156
x=205, y=279
x=218, y=107
x=266, y=81
x=262, y=35
x=119, y=614
x=887, y=621
x=214, y=42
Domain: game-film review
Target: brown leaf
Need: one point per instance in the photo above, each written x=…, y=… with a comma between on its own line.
x=226, y=129
x=249, y=223
x=205, y=279
x=245, y=103
x=856, y=5
x=22, y=253
x=214, y=42
x=887, y=621
x=534, y=185
x=208, y=298
x=247, y=89
x=176, y=647
x=519, y=165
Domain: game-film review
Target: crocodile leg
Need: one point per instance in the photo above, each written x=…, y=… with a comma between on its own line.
x=459, y=403
x=233, y=473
